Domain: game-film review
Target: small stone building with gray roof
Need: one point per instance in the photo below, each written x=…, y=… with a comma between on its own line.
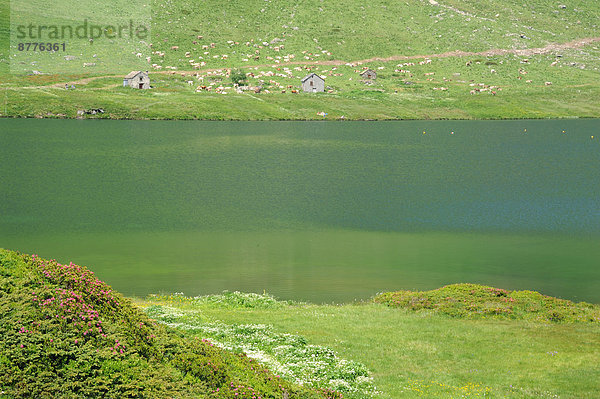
x=313, y=83
x=137, y=80
x=369, y=74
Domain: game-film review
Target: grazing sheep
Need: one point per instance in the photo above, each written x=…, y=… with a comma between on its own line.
x=175, y=48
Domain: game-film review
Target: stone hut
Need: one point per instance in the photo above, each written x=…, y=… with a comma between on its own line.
x=369, y=74
x=137, y=80
x=313, y=83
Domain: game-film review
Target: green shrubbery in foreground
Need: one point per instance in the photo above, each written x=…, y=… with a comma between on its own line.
x=66, y=334
x=472, y=300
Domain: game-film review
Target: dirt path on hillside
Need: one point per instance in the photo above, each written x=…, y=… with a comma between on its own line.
x=554, y=47
x=84, y=81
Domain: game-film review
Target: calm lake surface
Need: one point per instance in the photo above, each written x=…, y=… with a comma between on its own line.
x=318, y=211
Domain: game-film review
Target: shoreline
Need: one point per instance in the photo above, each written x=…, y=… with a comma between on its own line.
x=527, y=118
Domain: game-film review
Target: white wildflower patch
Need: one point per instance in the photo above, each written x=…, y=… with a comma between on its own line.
x=287, y=355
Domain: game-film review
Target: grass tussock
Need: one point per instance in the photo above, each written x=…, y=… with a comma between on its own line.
x=476, y=301
x=66, y=334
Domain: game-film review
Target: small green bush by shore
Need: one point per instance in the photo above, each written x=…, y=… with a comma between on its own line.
x=478, y=301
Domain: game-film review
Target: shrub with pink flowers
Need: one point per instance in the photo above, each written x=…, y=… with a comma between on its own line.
x=66, y=334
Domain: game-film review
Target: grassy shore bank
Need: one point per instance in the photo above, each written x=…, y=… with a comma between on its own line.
x=406, y=104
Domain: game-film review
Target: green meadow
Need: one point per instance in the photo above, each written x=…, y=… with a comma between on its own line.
x=425, y=352
x=534, y=60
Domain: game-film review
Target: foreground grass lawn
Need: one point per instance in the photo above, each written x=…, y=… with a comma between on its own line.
x=430, y=355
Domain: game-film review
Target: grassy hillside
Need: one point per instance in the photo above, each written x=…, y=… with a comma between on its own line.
x=65, y=334
x=350, y=30
x=418, y=354
x=508, y=66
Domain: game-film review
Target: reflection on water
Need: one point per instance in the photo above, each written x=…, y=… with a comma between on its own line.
x=317, y=211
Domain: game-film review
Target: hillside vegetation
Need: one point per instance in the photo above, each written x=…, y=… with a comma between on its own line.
x=434, y=59
x=66, y=334
x=546, y=348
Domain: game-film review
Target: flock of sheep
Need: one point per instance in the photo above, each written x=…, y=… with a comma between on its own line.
x=266, y=80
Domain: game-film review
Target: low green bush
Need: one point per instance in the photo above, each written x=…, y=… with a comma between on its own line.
x=474, y=301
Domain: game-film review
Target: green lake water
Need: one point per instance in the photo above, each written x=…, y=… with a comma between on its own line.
x=318, y=211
